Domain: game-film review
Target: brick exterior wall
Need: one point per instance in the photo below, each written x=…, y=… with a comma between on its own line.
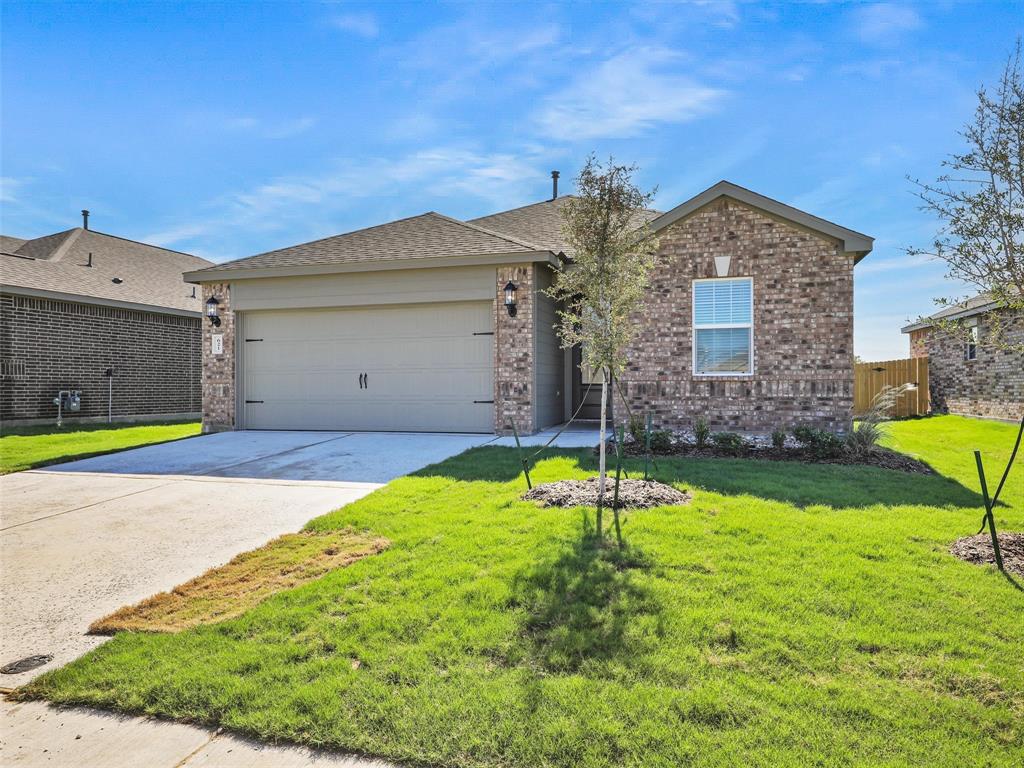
x=802, y=329
x=48, y=345
x=990, y=386
x=514, y=352
x=219, y=370
x=918, y=344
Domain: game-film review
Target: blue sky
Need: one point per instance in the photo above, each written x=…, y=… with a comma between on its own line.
x=226, y=129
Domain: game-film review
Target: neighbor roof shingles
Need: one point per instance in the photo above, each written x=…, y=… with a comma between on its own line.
x=427, y=236
x=150, y=275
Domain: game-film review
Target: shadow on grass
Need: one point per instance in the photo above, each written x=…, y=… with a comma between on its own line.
x=787, y=481
x=586, y=604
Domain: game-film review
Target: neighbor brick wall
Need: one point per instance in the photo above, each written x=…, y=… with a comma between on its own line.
x=991, y=386
x=514, y=351
x=48, y=345
x=803, y=326
x=919, y=343
x=219, y=370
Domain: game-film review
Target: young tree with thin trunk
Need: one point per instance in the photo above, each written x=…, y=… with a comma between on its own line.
x=980, y=202
x=613, y=253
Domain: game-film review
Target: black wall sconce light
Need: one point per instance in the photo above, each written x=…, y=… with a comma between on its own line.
x=213, y=310
x=510, y=298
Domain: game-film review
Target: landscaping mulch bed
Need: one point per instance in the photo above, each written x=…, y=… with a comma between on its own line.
x=978, y=550
x=880, y=457
x=633, y=493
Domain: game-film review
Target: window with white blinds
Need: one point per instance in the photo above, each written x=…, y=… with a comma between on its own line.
x=723, y=312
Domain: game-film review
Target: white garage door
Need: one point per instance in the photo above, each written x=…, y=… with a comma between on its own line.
x=421, y=368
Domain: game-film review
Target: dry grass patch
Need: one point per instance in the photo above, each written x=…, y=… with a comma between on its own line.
x=232, y=589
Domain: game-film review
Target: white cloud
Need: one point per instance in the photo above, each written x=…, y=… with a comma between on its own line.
x=884, y=23
x=626, y=96
x=362, y=24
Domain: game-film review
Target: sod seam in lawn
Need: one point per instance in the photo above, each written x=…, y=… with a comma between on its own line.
x=24, y=448
x=791, y=615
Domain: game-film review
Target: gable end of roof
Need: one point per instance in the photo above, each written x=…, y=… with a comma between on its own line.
x=853, y=242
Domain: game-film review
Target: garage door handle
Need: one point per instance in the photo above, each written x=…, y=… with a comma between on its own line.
x=247, y=402
x=360, y=381
x=366, y=380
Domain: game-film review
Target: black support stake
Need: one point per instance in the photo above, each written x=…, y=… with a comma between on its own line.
x=988, y=511
x=522, y=459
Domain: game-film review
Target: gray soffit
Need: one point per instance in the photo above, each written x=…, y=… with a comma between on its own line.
x=853, y=242
x=77, y=298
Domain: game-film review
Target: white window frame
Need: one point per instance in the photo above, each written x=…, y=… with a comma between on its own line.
x=695, y=327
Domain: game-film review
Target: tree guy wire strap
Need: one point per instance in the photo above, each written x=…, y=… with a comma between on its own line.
x=565, y=426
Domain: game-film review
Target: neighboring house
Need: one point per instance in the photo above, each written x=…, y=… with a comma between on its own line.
x=967, y=377
x=404, y=326
x=78, y=305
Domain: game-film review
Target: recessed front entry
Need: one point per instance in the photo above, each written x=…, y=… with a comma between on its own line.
x=421, y=367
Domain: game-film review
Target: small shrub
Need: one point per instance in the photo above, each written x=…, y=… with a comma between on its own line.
x=779, y=438
x=637, y=429
x=661, y=441
x=701, y=432
x=819, y=442
x=729, y=442
x=864, y=439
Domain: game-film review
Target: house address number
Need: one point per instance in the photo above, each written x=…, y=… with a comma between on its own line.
x=217, y=343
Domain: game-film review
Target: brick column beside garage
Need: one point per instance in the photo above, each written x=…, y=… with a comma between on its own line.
x=513, y=352
x=219, y=370
x=803, y=326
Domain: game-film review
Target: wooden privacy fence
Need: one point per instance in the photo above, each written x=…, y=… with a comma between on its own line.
x=870, y=378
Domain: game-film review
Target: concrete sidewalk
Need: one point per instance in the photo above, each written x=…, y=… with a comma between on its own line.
x=36, y=735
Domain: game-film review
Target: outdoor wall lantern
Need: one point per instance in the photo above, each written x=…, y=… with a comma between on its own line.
x=510, y=298
x=213, y=310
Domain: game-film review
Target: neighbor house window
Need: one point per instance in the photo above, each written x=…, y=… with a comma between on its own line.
x=971, y=347
x=723, y=340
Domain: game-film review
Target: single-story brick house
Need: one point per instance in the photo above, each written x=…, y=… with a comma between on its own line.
x=109, y=318
x=967, y=377
x=405, y=326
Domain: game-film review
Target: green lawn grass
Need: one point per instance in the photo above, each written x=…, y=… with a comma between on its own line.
x=792, y=615
x=37, y=446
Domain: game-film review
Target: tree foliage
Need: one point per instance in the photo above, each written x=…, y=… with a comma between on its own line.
x=980, y=201
x=613, y=254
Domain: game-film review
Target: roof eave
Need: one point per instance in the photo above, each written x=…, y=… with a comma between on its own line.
x=857, y=243
x=928, y=322
x=78, y=298
x=214, y=274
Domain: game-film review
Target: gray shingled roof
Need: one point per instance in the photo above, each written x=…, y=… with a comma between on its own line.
x=150, y=275
x=10, y=244
x=972, y=306
x=427, y=236
x=539, y=223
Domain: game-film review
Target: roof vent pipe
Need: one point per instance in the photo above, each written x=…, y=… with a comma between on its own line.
x=85, y=219
x=554, y=184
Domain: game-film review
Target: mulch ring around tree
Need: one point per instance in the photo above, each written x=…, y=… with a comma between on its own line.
x=635, y=494
x=978, y=550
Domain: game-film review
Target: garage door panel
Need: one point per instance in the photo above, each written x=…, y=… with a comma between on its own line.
x=424, y=366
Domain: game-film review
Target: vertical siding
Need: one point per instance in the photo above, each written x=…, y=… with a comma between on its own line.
x=550, y=358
